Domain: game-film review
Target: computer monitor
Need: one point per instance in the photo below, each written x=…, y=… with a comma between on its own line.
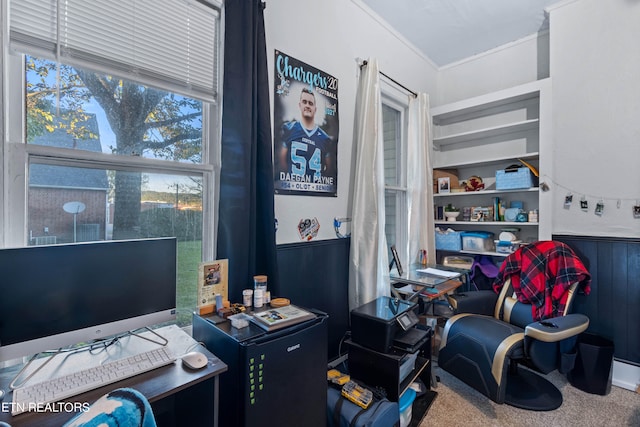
x=59, y=295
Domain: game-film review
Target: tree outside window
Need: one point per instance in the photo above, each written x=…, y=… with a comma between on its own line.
x=158, y=194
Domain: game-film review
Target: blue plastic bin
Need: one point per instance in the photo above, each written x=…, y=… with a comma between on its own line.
x=405, y=405
x=450, y=241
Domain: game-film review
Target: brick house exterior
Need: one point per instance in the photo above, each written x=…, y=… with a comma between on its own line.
x=50, y=187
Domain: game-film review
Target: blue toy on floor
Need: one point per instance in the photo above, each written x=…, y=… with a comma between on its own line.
x=123, y=407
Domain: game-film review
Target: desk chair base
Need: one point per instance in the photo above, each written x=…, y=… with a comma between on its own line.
x=528, y=390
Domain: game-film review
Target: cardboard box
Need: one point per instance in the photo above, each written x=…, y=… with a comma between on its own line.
x=458, y=261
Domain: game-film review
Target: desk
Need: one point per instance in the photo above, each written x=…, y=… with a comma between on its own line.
x=431, y=293
x=430, y=286
x=170, y=389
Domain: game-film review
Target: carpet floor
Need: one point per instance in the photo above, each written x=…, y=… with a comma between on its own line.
x=457, y=404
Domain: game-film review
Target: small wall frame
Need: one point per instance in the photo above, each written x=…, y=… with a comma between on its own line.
x=444, y=185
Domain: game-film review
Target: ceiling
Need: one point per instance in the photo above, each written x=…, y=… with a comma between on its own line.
x=448, y=31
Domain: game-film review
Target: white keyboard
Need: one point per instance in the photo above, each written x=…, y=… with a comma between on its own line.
x=32, y=396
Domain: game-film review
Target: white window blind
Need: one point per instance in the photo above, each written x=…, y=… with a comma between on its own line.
x=171, y=44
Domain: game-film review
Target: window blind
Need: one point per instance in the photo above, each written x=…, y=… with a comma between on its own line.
x=171, y=44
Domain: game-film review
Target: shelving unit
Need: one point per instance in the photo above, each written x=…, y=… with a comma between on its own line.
x=480, y=135
x=382, y=369
x=486, y=133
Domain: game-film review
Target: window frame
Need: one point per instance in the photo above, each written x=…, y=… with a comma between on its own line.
x=16, y=155
x=398, y=101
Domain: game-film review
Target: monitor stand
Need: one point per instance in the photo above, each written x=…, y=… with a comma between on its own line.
x=162, y=341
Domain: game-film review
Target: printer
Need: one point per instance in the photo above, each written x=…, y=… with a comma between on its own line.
x=387, y=323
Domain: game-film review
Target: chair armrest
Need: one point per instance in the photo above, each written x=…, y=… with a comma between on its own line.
x=557, y=328
x=476, y=302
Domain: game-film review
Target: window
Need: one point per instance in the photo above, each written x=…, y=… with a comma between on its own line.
x=118, y=134
x=394, y=133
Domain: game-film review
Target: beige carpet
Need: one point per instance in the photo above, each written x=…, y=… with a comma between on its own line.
x=459, y=405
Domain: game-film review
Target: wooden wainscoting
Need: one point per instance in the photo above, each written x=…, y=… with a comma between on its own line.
x=613, y=307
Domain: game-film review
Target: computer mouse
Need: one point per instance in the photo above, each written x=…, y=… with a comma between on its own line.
x=194, y=360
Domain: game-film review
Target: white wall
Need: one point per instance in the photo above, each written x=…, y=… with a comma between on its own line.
x=330, y=35
x=507, y=66
x=595, y=67
x=591, y=54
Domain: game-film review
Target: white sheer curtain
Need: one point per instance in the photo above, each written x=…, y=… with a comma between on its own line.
x=419, y=180
x=368, y=261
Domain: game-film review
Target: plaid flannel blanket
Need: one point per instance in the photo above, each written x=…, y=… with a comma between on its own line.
x=541, y=274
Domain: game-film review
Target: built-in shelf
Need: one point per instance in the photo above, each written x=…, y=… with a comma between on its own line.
x=482, y=104
x=490, y=253
x=485, y=192
x=481, y=135
x=485, y=162
x=484, y=223
x=485, y=133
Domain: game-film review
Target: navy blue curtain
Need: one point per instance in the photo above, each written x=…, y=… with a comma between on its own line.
x=246, y=227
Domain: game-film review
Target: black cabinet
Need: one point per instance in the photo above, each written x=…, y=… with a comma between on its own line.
x=275, y=378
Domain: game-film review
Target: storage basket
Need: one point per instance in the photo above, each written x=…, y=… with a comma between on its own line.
x=477, y=241
x=513, y=180
x=448, y=240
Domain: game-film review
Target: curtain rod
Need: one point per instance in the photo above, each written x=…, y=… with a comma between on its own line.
x=415, y=95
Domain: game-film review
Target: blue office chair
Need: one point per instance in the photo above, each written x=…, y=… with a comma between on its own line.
x=498, y=349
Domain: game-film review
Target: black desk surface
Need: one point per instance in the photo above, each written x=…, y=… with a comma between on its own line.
x=155, y=385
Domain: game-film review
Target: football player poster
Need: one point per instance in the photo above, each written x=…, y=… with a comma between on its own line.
x=305, y=127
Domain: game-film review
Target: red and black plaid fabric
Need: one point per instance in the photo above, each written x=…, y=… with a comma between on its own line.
x=541, y=274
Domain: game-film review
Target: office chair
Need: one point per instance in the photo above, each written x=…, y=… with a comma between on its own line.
x=520, y=327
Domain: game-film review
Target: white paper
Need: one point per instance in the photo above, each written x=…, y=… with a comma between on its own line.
x=437, y=272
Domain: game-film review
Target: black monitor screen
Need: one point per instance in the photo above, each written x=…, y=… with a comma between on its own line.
x=62, y=294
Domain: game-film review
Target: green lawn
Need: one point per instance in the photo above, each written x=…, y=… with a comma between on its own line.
x=189, y=259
